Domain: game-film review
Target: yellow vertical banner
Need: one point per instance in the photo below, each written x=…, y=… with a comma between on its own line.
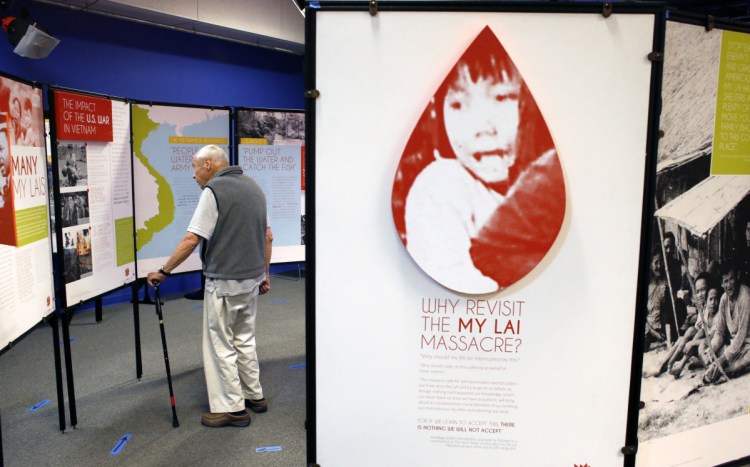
x=731, y=148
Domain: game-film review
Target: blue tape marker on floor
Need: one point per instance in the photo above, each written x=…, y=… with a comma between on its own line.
x=279, y=301
x=38, y=406
x=199, y=307
x=301, y=365
x=268, y=449
x=120, y=444
x=72, y=339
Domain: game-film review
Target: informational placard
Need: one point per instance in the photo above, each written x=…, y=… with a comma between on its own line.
x=731, y=155
x=482, y=366
x=270, y=150
x=693, y=415
x=94, y=193
x=165, y=137
x=25, y=241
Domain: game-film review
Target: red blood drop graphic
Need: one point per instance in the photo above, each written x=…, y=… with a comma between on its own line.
x=479, y=197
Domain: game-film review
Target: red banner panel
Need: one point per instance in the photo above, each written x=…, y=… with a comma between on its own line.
x=83, y=118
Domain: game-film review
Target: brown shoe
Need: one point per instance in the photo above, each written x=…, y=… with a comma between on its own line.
x=257, y=406
x=216, y=420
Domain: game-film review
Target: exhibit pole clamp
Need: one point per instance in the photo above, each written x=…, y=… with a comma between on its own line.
x=373, y=7
x=709, y=22
x=629, y=450
x=656, y=56
x=607, y=9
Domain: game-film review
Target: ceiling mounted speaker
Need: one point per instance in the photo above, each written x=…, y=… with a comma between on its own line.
x=30, y=41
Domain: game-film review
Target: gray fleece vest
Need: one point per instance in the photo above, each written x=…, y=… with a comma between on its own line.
x=237, y=247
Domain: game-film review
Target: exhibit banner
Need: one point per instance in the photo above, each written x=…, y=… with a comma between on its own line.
x=94, y=193
x=270, y=150
x=165, y=137
x=478, y=193
x=25, y=242
x=695, y=384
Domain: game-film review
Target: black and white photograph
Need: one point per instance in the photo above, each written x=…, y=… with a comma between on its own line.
x=280, y=128
x=74, y=208
x=697, y=341
x=72, y=164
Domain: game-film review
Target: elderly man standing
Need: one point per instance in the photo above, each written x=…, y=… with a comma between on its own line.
x=729, y=352
x=231, y=223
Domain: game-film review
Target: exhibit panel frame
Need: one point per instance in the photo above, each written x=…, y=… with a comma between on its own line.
x=25, y=236
x=448, y=372
x=270, y=148
x=702, y=183
x=93, y=193
x=165, y=136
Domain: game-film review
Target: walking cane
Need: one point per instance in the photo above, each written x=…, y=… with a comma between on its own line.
x=157, y=299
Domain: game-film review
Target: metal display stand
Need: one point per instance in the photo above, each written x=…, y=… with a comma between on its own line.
x=52, y=321
x=137, y=332
x=66, y=316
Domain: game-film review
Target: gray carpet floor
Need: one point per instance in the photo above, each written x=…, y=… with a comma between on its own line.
x=112, y=403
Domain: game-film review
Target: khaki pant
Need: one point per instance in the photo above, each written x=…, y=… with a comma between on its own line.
x=230, y=361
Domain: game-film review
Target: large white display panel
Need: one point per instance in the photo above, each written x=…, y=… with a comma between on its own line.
x=92, y=149
x=555, y=392
x=704, y=182
x=25, y=242
x=165, y=137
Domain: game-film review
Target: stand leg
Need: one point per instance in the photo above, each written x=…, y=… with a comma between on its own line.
x=58, y=370
x=146, y=296
x=66, y=319
x=98, y=310
x=137, y=332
